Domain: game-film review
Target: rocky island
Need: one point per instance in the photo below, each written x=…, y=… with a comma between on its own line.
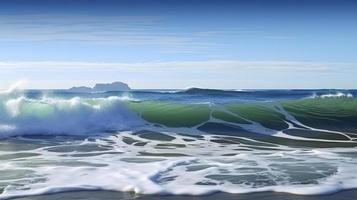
x=102, y=87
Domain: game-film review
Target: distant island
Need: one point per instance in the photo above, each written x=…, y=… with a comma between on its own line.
x=102, y=87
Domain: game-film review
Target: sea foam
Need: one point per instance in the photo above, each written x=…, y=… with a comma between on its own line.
x=109, y=163
x=333, y=95
x=20, y=115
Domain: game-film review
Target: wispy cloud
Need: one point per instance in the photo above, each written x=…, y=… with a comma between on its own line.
x=234, y=65
x=119, y=30
x=107, y=30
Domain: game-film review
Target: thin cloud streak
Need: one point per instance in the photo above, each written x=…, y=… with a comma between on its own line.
x=162, y=65
x=138, y=31
x=105, y=30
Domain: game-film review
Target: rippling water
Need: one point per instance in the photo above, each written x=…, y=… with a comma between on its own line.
x=196, y=141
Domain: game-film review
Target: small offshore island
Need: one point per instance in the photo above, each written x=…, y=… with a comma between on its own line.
x=102, y=87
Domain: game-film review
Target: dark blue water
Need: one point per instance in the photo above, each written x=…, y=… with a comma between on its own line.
x=197, y=95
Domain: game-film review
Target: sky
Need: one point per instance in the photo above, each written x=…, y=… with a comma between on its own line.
x=172, y=44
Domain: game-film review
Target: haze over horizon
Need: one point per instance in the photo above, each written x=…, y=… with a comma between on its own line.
x=179, y=44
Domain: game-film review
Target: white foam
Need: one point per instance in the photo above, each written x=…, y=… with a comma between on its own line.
x=333, y=95
x=170, y=175
x=49, y=115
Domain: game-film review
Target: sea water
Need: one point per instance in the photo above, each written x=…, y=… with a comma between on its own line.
x=179, y=142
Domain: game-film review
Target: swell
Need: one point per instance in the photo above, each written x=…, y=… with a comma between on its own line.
x=343, y=111
x=271, y=92
x=317, y=121
x=314, y=122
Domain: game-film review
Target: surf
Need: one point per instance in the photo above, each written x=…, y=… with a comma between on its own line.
x=188, y=143
x=58, y=116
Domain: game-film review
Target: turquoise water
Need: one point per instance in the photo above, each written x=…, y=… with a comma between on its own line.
x=194, y=141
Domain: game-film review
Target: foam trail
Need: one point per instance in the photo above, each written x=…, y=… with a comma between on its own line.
x=119, y=168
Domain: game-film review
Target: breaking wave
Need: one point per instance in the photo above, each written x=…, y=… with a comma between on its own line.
x=314, y=122
x=74, y=116
x=299, y=145
x=333, y=95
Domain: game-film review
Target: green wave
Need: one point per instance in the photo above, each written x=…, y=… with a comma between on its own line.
x=338, y=114
x=190, y=115
x=317, y=118
x=172, y=114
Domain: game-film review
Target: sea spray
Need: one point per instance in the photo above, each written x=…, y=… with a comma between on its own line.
x=50, y=116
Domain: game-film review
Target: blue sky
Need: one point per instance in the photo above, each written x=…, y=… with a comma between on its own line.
x=179, y=44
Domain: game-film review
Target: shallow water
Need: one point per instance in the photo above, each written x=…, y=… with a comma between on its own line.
x=157, y=142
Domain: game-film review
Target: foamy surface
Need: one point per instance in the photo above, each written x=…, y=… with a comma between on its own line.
x=177, y=165
x=55, y=143
x=110, y=195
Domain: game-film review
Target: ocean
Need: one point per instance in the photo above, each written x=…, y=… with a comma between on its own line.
x=190, y=142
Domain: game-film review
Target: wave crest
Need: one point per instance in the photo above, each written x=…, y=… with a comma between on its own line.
x=47, y=115
x=333, y=95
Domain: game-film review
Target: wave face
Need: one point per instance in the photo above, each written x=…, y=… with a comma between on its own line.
x=56, y=116
x=194, y=142
x=317, y=122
